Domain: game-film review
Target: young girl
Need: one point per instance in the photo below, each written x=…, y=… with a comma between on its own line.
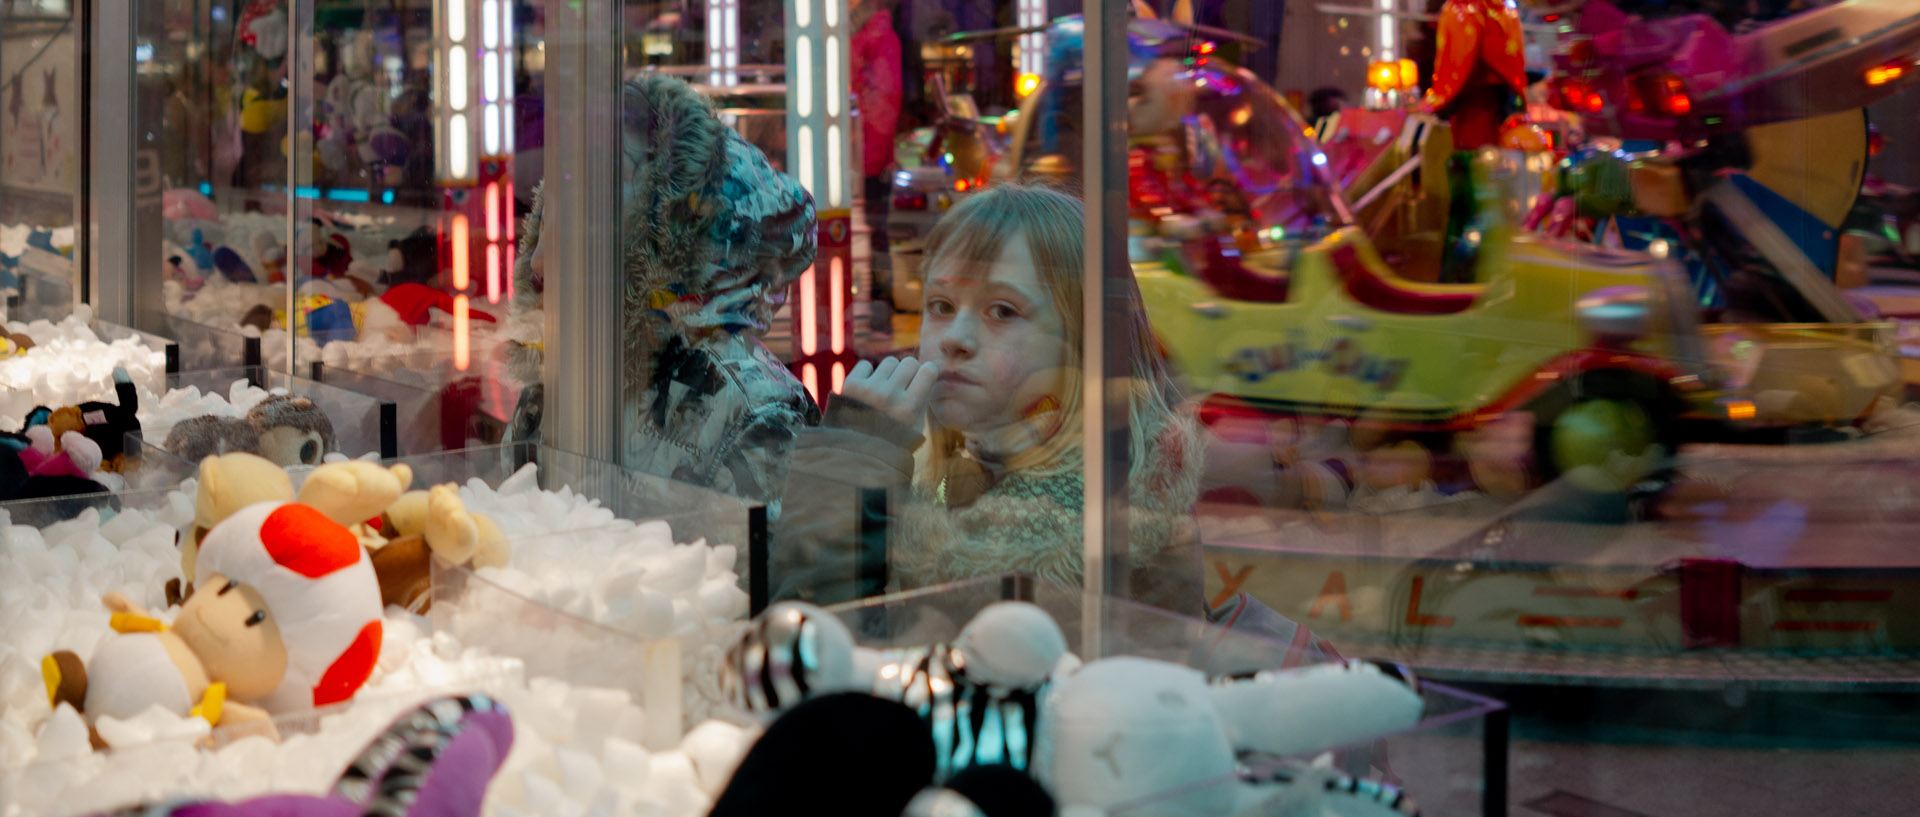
x=996, y=388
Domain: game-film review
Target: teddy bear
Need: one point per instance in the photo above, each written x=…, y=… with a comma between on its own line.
x=288, y=617
x=402, y=530
x=1111, y=731
x=287, y=429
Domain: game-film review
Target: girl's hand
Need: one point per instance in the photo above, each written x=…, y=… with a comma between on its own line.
x=897, y=388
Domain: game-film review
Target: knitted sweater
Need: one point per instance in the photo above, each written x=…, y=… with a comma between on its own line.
x=972, y=524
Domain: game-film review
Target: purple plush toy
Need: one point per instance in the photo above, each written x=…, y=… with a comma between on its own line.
x=434, y=762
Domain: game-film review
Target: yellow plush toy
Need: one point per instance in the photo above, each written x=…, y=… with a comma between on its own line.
x=401, y=529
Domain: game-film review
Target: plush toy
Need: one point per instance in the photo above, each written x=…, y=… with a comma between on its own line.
x=407, y=306
x=414, y=259
x=866, y=756
x=287, y=617
x=263, y=28
x=1006, y=690
x=435, y=761
x=287, y=429
x=271, y=254
x=17, y=482
x=334, y=258
x=74, y=456
x=232, y=266
x=106, y=425
x=403, y=530
x=322, y=317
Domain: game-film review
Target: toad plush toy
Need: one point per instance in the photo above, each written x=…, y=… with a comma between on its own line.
x=402, y=530
x=288, y=617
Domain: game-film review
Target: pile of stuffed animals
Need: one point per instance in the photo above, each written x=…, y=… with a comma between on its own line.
x=65, y=451
x=285, y=605
x=1007, y=693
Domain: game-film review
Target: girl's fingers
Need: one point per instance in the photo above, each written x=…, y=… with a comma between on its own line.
x=903, y=374
x=884, y=371
x=920, y=389
x=860, y=371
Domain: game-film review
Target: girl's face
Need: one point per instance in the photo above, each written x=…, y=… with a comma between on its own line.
x=1000, y=342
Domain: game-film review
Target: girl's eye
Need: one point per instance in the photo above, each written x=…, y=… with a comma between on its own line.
x=258, y=617
x=940, y=307
x=1002, y=312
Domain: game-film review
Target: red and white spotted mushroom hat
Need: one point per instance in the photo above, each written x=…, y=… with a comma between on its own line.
x=319, y=584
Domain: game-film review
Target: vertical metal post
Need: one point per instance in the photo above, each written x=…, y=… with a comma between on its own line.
x=1104, y=397
x=820, y=155
x=299, y=70
x=110, y=177
x=584, y=347
x=1494, y=749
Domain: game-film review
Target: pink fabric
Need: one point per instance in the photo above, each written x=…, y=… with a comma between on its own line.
x=876, y=84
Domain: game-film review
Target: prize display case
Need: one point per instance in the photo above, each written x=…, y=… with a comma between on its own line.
x=1570, y=372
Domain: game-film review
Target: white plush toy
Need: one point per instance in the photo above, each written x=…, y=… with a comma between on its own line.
x=1114, y=731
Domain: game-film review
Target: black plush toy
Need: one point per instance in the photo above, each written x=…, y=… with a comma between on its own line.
x=106, y=424
x=995, y=791
x=854, y=754
x=412, y=260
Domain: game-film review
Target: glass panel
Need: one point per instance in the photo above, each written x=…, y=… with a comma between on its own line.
x=1552, y=357
x=387, y=250
x=40, y=149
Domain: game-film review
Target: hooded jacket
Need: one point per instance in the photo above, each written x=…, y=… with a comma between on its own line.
x=712, y=239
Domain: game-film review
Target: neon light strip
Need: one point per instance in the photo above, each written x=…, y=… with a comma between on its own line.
x=457, y=78
x=804, y=327
x=839, y=376
x=810, y=377
x=1387, y=30
x=460, y=351
x=835, y=278
x=459, y=251
x=493, y=273
x=493, y=211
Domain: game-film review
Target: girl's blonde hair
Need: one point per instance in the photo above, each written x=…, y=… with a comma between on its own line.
x=970, y=238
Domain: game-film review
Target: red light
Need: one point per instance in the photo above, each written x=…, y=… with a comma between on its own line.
x=1593, y=103
x=1207, y=47
x=1883, y=74
x=493, y=273
x=493, y=211
x=1671, y=92
x=1580, y=53
x=909, y=201
x=960, y=185
x=1551, y=18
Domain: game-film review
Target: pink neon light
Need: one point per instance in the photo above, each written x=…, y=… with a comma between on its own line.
x=810, y=377
x=460, y=269
x=839, y=313
x=460, y=340
x=804, y=328
x=493, y=273
x=493, y=211
x=509, y=268
x=839, y=375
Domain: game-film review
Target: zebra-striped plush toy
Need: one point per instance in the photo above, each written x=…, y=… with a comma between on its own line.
x=1007, y=691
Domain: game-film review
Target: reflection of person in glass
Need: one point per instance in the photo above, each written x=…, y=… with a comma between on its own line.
x=997, y=384
x=713, y=237
x=875, y=59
